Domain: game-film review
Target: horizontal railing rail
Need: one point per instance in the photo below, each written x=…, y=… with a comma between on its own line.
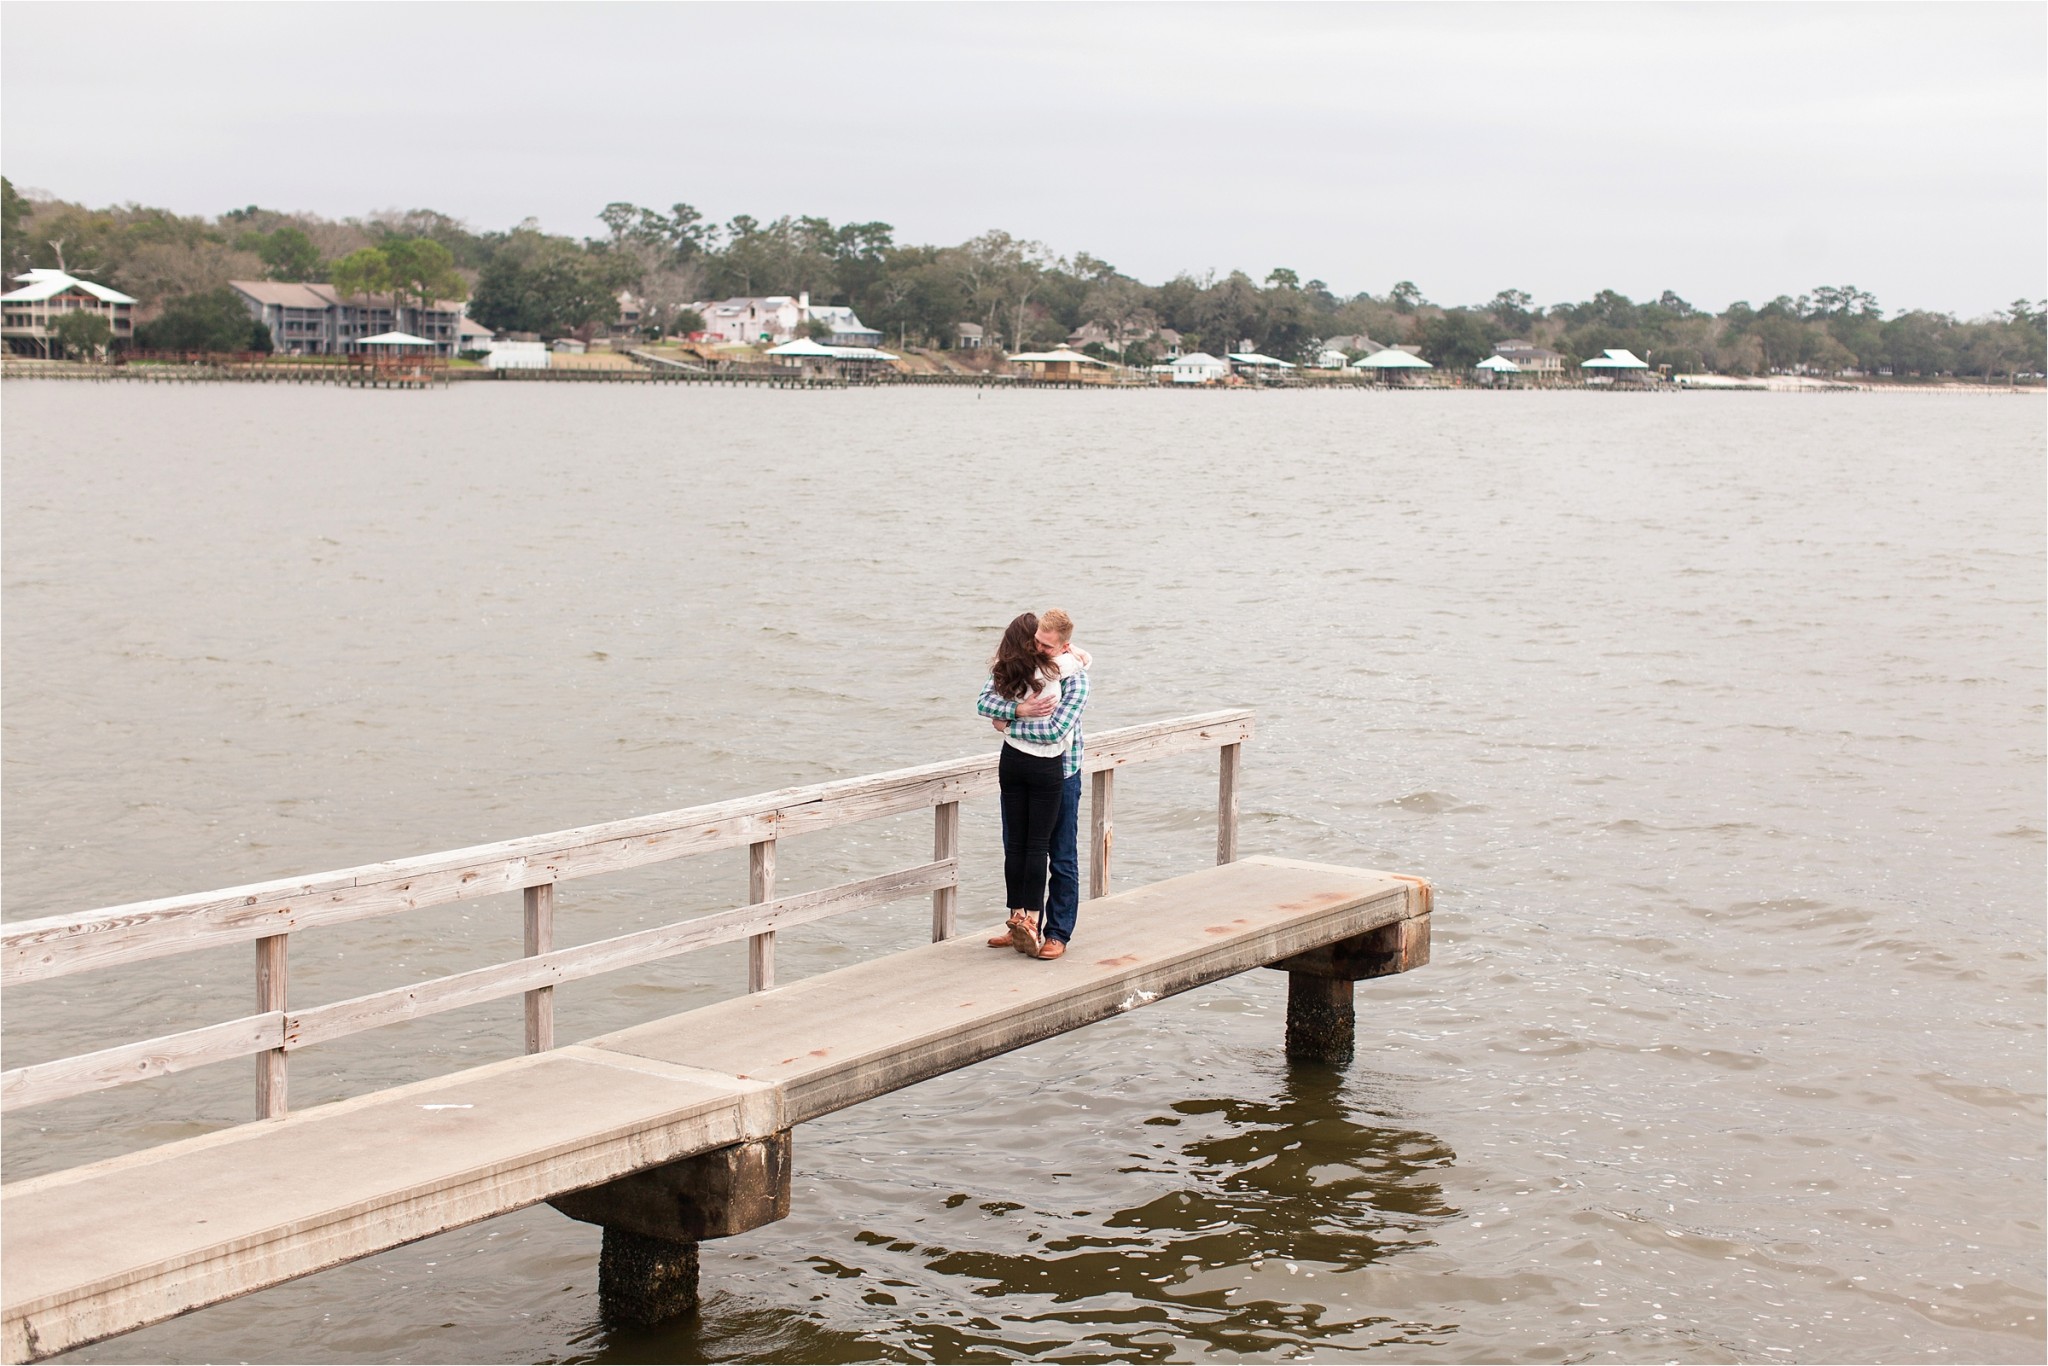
x=268, y=913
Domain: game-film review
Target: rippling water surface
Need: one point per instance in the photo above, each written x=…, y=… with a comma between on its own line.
x=1717, y=721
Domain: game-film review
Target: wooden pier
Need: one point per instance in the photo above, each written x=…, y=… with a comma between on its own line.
x=370, y=373
x=666, y=1133
x=762, y=376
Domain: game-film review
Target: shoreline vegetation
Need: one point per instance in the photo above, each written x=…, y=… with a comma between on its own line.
x=1014, y=296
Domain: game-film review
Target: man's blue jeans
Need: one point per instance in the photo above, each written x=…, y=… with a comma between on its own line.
x=1063, y=883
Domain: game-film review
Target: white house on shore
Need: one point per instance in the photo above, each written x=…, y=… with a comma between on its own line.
x=1336, y=352
x=1199, y=367
x=29, y=311
x=777, y=318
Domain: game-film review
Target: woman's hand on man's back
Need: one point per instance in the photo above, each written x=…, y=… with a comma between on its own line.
x=1039, y=705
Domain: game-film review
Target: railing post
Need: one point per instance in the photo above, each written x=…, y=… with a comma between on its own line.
x=270, y=995
x=540, y=938
x=1226, y=804
x=761, y=887
x=945, y=845
x=1100, y=797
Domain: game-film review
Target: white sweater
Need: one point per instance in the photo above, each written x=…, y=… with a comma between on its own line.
x=1064, y=667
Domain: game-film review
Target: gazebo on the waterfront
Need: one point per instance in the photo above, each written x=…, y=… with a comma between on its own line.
x=396, y=343
x=1616, y=363
x=1497, y=369
x=1257, y=365
x=395, y=358
x=805, y=354
x=1062, y=362
x=1393, y=366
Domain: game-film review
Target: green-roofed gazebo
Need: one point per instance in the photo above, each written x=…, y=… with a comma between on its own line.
x=1497, y=369
x=1616, y=363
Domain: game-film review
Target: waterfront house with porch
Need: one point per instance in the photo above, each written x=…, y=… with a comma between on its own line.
x=847, y=328
x=29, y=311
x=746, y=319
x=1537, y=364
x=632, y=312
x=777, y=318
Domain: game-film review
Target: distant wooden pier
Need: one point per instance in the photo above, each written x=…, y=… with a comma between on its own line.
x=353, y=372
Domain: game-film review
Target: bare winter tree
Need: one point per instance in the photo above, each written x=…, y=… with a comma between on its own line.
x=1001, y=275
x=1118, y=304
x=667, y=286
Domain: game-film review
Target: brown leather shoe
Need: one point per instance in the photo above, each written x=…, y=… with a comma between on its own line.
x=1024, y=933
x=1001, y=941
x=1051, y=948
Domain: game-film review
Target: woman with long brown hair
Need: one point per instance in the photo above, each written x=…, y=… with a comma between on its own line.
x=1031, y=775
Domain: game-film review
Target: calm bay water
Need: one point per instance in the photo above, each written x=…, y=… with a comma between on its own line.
x=1717, y=720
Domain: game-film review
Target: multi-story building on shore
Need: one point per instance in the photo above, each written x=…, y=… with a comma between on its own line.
x=313, y=320
x=29, y=312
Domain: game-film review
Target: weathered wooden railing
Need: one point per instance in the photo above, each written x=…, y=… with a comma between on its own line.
x=270, y=912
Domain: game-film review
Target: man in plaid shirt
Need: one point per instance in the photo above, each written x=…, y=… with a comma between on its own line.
x=1049, y=722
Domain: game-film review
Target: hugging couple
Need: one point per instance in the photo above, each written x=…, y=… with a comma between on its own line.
x=1036, y=692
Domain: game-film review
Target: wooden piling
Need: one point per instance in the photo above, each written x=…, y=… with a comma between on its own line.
x=643, y=1281
x=1321, y=1020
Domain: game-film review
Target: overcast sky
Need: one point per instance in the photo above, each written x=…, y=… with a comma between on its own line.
x=1724, y=151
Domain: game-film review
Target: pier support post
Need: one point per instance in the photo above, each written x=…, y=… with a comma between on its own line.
x=642, y=1281
x=654, y=1220
x=1321, y=1018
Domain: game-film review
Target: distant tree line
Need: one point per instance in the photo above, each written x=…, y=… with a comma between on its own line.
x=1021, y=293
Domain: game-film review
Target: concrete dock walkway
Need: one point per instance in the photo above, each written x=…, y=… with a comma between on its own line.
x=106, y=1248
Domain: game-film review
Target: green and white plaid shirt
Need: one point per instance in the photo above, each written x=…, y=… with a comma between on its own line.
x=1043, y=730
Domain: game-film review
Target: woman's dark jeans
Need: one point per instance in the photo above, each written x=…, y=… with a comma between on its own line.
x=1031, y=786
